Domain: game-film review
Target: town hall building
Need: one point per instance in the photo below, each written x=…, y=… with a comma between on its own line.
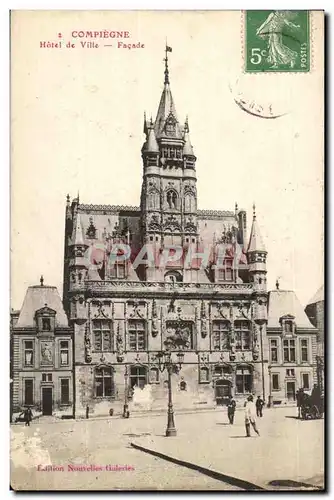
x=166, y=270
x=123, y=313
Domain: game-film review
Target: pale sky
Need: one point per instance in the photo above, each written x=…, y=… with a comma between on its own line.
x=77, y=125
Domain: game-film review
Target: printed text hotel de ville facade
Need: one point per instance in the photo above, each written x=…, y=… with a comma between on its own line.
x=136, y=277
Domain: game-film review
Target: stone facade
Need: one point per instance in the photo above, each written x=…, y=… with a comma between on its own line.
x=292, y=342
x=41, y=355
x=211, y=295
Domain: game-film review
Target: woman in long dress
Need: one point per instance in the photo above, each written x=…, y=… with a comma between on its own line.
x=272, y=28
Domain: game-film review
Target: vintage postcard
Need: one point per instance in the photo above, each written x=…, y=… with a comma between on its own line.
x=167, y=293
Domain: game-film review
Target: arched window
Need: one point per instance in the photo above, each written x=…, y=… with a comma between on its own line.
x=243, y=379
x=104, y=382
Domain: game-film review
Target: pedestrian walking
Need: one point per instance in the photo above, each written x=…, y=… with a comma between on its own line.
x=27, y=416
x=231, y=409
x=250, y=416
x=259, y=406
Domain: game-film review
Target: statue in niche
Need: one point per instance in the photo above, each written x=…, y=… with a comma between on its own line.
x=171, y=199
x=119, y=346
x=88, y=349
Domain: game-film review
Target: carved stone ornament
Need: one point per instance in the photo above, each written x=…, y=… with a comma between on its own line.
x=204, y=358
x=91, y=231
x=88, y=346
x=137, y=309
x=155, y=329
x=119, y=346
x=204, y=330
x=101, y=311
x=256, y=351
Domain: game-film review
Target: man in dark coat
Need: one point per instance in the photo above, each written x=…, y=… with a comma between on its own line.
x=259, y=406
x=231, y=410
x=27, y=416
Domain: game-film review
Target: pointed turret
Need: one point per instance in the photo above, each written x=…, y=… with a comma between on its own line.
x=151, y=145
x=257, y=256
x=188, y=149
x=77, y=235
x=255, y=240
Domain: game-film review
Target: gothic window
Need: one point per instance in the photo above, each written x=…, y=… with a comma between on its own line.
x=28, y=391
x=102, y=336
x=243, y=380
x=242, y=335
x=273, y=350
x=220, y=330
x=138, y=376
x=171, y=199
x=28, y=353
x=304, y=350
x=289, y=351
x=290, y=372
x=137, y=334
x=170, y=126
x=64, y=391
x=46, y=377
x=104, y=382
x=64, y=353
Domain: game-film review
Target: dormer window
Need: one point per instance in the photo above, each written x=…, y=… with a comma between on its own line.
x=288, y=324
x=45, y=320
x=288, y=327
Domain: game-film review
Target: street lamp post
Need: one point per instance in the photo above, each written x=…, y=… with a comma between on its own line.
x=126, y=412
x=166, y=363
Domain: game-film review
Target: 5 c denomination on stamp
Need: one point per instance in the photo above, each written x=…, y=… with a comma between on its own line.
x=277, y=41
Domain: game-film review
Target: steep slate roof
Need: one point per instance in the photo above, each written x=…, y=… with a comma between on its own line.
x=282, y=303
x=255, y=239
x=166, y=109
x=151, y=143
x=36, y=298
x=318, y=297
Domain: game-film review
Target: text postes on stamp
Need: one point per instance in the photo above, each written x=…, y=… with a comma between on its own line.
x=277, y=41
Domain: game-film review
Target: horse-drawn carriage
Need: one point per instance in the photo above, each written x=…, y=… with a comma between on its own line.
x=312, y=406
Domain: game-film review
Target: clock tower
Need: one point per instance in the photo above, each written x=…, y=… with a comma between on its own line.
x=168, y=196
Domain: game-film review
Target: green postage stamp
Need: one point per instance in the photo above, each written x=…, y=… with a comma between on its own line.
x=277, y=41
